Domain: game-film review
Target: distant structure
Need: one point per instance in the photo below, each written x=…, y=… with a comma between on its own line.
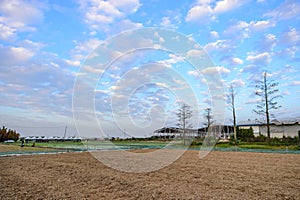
x=279, y=129
x=49, y=139
x=220, y=131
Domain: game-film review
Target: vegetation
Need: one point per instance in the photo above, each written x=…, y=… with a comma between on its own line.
x=261, y=142
x=246, y=135
x=8, y=134
x=184, y=115
x=14, y=148
x=253, y=143
x=267, y=90
x=231, y=99
x=208, y=117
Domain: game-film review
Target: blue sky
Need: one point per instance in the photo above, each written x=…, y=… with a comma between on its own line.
x=44, y=46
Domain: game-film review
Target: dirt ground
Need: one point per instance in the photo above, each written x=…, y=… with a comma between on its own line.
x=220, y=175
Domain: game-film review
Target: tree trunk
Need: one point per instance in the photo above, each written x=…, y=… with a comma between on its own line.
x=267, y=108
x=234, y=120
x=184, y=126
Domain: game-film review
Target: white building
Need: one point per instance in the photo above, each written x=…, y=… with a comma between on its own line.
x=278, y=129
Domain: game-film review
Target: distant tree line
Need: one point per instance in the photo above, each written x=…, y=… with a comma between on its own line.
x=8, y=134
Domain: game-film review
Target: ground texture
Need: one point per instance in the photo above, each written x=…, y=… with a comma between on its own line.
x=220, y=175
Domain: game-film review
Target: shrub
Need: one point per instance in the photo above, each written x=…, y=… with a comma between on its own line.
x=261, y=138
x=196, y=143
x=245, y=135
x=290, y=140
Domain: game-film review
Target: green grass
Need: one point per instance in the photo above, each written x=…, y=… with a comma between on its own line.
x=153, y=144
x=4, y=148
x=253, y=145
x=224, y=145
x=50, y=144
x=262, y=146
x=84, y=145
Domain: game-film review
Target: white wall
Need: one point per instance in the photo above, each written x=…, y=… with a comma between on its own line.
x=281, y=130
x=276, y=130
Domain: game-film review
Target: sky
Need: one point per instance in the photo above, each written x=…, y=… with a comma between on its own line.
x=114, y=67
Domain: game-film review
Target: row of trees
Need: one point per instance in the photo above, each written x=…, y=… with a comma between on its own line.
x=266, y=89
x=8, y=134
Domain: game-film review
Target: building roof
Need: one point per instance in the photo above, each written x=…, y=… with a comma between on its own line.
x=249, y=123
x=273, y=122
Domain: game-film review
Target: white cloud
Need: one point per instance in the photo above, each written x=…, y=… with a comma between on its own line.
x=173, y=60
x=81, y=50
x=260, y=59
x=19, y=16
x=214, y=70
x=227, y=5
x=204, y=1
x=237, y=61
x=286, y=93
x=287, y=10
x=100, y=15
x=91, y=69
x=75, y=63
x=199, y=13
x=126, y=6
x=195, y=53
x=290, y=38
x=267, y=43
x=214, y=34
x=14, y=55
x=218, y=45
x=87, y=46
x=295, y=83
x=126, y=24
x=206, y=10
x=166, y=22
x=244, y=29
x=195, y=73
x=253, y=101
x=250, y=69
x=6, y=32
x=237, y=83
x=54, y=64
x=260, y=25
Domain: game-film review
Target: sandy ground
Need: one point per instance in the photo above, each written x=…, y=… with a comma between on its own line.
x=220, y=175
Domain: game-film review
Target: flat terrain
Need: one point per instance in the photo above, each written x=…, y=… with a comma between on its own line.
x=4, y=148
x=220, y=175
x=9, y=148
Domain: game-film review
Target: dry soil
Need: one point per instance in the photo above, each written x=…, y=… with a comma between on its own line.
x=220, y=175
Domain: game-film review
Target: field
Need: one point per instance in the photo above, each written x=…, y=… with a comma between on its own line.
x=69, y=145
x=220, y=175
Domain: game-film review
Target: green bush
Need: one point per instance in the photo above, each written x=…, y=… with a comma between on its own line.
x=245, y=135
x=261, y=138
x=284, y=141
x=290, y=140
x=196, y=143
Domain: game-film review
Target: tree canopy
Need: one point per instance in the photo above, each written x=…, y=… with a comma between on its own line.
x=8, y=134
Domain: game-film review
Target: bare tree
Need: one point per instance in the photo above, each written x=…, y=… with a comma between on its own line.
x=184, y=115
x=208, y=116
x=231, y=101
x=266, y=89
